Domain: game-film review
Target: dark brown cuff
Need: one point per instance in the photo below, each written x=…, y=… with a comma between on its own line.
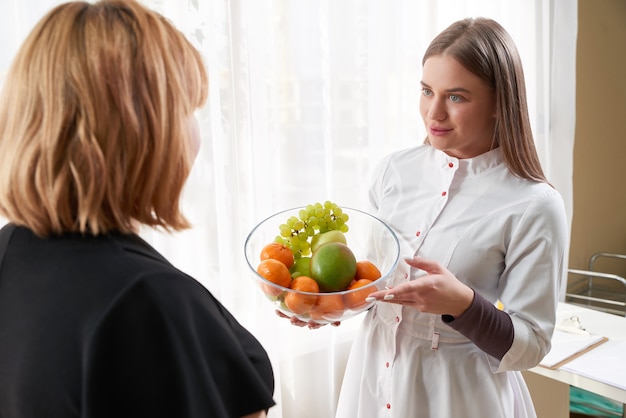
x=485, y=325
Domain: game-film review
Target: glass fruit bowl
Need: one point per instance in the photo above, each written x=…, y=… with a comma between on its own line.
x=373, y=244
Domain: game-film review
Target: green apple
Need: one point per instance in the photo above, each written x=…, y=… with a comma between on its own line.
x=333, y=266
x=301, y=267
x=330, y=236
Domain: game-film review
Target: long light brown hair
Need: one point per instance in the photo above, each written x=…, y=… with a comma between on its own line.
x=484, y=48
x=94, y=113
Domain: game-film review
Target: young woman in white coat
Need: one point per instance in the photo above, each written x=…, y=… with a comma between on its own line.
x=484, y=235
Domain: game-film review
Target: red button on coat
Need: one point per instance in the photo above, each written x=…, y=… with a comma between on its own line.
x=444, y=193
x=387, y=365
x=388, y=406
x=450, y=165
x=418, y=233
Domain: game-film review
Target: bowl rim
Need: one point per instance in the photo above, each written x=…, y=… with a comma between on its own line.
x=391, y=270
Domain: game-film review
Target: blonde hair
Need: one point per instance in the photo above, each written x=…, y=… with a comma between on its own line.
x=94, y=132
x=484, y=48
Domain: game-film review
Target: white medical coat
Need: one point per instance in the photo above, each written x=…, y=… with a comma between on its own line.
x=506, y=238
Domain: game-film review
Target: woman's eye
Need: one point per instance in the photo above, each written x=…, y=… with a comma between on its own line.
x=427, y=92
x=455, y=99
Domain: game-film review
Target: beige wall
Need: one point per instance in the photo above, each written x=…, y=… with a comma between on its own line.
x=599, y=213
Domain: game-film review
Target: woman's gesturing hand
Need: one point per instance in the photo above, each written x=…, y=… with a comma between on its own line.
x=438, y=292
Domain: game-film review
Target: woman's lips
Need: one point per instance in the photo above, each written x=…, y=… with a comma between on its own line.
x=439, y=131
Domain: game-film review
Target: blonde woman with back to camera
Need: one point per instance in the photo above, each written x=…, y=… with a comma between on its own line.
x=97, y=137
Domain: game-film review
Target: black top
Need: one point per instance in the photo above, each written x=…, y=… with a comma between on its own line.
x=106, y=327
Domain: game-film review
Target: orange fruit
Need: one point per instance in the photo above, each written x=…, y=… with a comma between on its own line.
x=329, y=307
x=276, y=272
x=355, y=300
x=300, y=303
x=366, y=270
x=278, y=252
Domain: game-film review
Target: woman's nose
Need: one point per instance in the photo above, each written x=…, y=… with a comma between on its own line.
x=437, y=110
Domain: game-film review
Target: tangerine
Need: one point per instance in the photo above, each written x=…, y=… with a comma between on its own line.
x=355, y=300
x=301, y=303
x=328, y=307
x=366, y=270
x=278, y=251
x=275, y=272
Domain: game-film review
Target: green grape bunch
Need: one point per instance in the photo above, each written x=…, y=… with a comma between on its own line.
x=316, y=218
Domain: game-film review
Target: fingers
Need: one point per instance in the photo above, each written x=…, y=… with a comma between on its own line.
x=299, y=323
x=372, y=297
x=406, y=293
x=380, y=295
x=313, y=325
x=282, y=315
x=429, y=266
x=294, y=321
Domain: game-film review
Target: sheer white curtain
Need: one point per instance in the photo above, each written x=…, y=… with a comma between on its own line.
x=305, y=98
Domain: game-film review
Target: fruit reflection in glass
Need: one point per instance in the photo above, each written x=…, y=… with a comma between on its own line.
x=319, y=262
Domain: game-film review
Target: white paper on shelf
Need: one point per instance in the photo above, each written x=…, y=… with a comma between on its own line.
x=567, y=345
x=604, y=363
